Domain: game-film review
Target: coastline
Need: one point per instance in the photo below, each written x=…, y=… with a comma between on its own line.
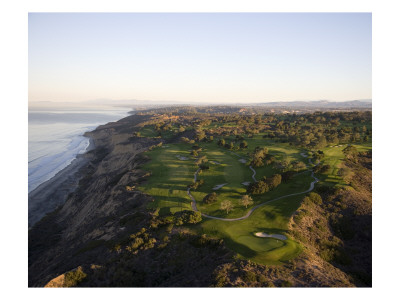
x=52, y=193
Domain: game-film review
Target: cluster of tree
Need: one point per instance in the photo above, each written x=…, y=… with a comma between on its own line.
x=319, y=129
x=195, y=185
x=187, y=217
x=264, y=185
x=187, y=140
x=210, y=198
x=322, y=168
x=196, y=149
x=163, y=126
x=311, y=130
x=260, y=156
x=297, y=166
x=201, y=160
x=155, y=146
x=350, y=152
x=318, y=155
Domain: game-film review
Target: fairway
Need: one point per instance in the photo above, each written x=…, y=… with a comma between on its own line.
x=173, y=168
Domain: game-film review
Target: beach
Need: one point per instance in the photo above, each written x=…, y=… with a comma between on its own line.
x=58, y=149
x=54, y=192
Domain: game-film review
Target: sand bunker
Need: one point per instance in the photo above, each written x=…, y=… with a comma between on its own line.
x=217, y=187
x=243, y=161
x=275, y=236
x=303, y=154
x=215, y=162
x=180, y=157
x=246, y=183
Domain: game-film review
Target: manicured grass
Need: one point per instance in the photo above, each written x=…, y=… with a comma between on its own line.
x=334, y=156
x=168, y=185
x=171, y=176
x=150, y=132
x=169, y=179
x=271, y=218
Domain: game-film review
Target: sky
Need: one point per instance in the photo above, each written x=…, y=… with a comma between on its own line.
x=199, y=57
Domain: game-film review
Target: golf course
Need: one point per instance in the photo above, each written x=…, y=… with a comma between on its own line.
x=173, y=169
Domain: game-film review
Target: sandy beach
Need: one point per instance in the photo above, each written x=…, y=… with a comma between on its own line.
x=54, y=192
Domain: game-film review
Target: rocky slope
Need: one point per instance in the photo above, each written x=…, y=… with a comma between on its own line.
x=91, y=214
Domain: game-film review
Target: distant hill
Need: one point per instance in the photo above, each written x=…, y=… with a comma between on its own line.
x=367, y=103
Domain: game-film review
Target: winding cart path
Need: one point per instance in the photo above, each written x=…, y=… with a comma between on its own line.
x=194, y=205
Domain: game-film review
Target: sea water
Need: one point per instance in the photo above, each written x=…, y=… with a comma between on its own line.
x=56, y=138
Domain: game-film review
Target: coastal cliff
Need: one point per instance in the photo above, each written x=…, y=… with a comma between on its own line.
x=91, y=213
x=107, y=233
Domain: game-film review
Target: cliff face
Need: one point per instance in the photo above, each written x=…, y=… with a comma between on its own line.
x=90, y=216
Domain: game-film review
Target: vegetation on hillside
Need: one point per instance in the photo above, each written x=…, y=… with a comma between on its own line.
x=230, y=162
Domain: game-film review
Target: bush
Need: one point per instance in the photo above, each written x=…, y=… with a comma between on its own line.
x=286, y=283
x=315, y=198
x=264, y=185
x=74, y=277
x=250, y=276
x=188, y=217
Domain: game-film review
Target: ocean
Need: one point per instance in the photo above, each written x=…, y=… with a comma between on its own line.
x=55, y=138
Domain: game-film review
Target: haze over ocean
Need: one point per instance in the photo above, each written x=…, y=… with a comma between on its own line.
x=56, y=137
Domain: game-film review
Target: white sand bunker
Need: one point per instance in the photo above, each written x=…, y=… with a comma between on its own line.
x=217, y=187
x=246, y=183
x=164, y=146
x=303, y=154
x=215, y=162
x=275, y=236
x=180, y=157
x=243, y=161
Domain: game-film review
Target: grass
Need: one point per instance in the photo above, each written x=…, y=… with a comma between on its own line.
x=168, y=185
x=334, y=156
x=171, y=176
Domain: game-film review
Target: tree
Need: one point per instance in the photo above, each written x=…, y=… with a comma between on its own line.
x=226, y=205
x=274, y=181
x=350, y=151
x=243, y=145
x=246, y=200
x=210, y=198
x=221, y=142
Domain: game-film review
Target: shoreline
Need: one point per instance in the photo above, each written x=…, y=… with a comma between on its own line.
x=52, y=193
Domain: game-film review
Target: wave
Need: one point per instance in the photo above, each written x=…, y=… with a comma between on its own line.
x=55, y=139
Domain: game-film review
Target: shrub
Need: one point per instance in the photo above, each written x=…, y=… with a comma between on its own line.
x=74, y=277
x=315, y=198
x=250, y=276
x=286, y=283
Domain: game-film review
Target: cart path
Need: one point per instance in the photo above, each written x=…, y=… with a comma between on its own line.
x=194, y=205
